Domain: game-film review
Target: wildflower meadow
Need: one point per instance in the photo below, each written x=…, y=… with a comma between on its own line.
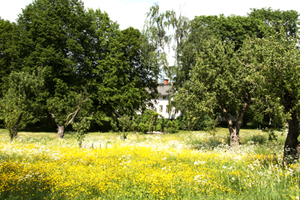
x=187, y=165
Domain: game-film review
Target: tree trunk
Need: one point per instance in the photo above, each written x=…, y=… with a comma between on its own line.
x=291, y=148
x=14, y=131
x=234, y=137
x=234, y=132
x=13, y=134
x=60, y=131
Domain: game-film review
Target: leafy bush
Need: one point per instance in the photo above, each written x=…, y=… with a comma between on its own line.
x=123, y=126
x=172, y=126
x=142, y=128
x=147, y=121
x=81, y=129
x=182, y=124
x=258, y=139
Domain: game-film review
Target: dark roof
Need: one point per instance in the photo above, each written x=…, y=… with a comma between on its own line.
x=163, y=89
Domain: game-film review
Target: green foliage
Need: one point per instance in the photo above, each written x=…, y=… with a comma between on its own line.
x=20, y=103
x=276, y=61
x=218, y=83
x=81, y=129
x=147, y=121
x=143, y=128
x=123, y=126
x=125, y=75
x=172, y=126
x=6, y=36
x=277, y=18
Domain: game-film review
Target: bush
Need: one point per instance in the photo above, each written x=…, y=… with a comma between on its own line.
x=258, y=139
x=142, y=128
x=148, y=119
x=123, y=126
x=182, y=124
x=81, y=129
x=172, y=126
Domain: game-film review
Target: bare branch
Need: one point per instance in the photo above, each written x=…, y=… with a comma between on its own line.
x=74, y=115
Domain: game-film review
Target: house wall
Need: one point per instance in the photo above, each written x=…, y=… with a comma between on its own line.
x=164, y=102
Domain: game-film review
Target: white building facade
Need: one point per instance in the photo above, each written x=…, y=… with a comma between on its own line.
x=161, y=104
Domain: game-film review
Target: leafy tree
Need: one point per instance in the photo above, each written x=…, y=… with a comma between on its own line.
x=124, y=75
x=234, y=29
x=218, y=83
x=275, y=61
x=276, y=18
x=147, y=120
x=6, y=36
x=157, y=29
x=21, y=100
x=55, y=35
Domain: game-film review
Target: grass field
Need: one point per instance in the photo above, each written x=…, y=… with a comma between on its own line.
x=186, y=165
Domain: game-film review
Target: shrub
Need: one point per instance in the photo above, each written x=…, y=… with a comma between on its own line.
x=123, y=126
x=142, y=128
x=258, y=139
x=81, y=129
x=147, y=119
x=172, y=126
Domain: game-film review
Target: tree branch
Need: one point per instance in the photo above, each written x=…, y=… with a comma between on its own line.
x=74, y=115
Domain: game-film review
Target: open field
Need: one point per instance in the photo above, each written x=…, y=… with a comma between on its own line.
x=186, y=165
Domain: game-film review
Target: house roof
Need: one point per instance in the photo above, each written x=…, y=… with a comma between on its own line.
x=163, y=89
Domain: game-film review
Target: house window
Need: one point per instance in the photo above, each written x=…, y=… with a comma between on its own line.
x=164, y=97
x=160, y=108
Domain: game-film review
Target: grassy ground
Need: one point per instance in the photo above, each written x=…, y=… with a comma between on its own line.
x=185, y=165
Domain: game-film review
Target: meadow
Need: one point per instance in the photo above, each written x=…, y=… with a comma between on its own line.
x=185, y=165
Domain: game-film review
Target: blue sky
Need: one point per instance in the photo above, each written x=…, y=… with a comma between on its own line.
x=132, y=12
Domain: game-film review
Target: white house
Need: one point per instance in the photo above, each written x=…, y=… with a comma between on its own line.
x=161, y=103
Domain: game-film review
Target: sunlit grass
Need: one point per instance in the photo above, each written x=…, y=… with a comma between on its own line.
x=170, y=166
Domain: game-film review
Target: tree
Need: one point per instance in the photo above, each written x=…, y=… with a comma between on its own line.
x=157, y=29
x=275, y=63
x=21, y=100
x=6, y=36
x=234, y=29
x=125, y=75
x=276, y=18
x=218, y=83
x=55, y=35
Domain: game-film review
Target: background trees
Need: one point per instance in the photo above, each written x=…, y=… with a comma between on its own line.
x=88, y=63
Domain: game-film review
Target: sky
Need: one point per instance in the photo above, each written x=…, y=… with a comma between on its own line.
x=133, y=12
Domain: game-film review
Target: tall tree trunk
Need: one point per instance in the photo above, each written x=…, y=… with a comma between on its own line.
x=291, y=146
x=60, y=131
